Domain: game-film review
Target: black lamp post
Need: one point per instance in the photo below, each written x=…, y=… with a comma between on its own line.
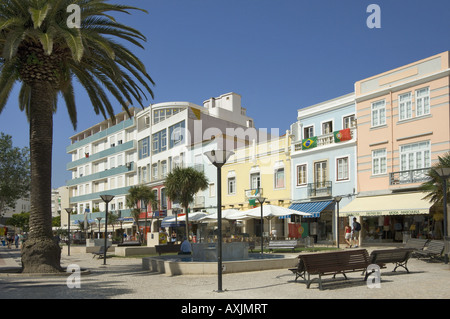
x=337, y=199
x=69, y=211
x=261, y=201
x=106, y=199
x=444, y=174
x=218, y=159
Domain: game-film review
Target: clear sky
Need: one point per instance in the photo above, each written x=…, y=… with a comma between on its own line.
x=279, y=55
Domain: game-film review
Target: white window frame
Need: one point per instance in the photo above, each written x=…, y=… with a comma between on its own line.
x=323, y=129
x=231, y=185
x=275, y=178
x=424, y=101
x=305, y=174
x=415, y=156
x=255, y=178
x=310, y=129
x=348, y=121
x=346, y=174
x=405, y=106
x=379, y=161
x=378, y=108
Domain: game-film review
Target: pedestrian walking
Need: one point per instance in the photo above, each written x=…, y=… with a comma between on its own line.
x=355, y=232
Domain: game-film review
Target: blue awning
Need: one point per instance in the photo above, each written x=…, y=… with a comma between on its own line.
x=311, y=207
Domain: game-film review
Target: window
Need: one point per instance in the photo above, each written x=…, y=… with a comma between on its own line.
x=404, y=106
x=327, y=127
x=378, y=113
x=212, y=190
x=415, y=156
x=163, y=199
x=159, y=143
x=231, y=185
x=155, y=172
x=279, y=178
x=164, y=169
x=423, y=101
x=143, y=147
x=255, y=181
x=308, y=132
x=342, y=169
x=176, y=134
x=379, y=162
x=348, y=121
x=320, y=174
x=301, y=175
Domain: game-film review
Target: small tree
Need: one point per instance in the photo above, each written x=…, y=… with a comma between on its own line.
x=137, y=194
x=182, y=184
x=14, y=173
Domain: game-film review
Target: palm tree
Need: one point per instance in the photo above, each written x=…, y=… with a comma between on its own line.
x=182, y=184
x=142, y=194
x=40, y=50
x=434, y=185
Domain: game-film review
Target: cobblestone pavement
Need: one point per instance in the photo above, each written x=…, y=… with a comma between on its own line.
x=123, y=278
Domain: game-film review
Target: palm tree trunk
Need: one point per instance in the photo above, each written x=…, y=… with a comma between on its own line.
x=40, y=253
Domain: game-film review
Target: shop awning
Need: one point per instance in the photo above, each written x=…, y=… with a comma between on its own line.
x=383, y=205
x=311, y=207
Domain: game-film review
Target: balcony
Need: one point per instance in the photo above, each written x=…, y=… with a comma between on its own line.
x=320, y=189
x=324, y=140
x=409, y=177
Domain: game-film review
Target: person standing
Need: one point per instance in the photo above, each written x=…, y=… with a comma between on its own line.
x=348, y=236
x=356, y=227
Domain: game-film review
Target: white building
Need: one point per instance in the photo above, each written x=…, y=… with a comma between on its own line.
x=111, y=157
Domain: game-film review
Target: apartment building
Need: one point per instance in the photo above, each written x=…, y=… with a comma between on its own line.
x=403, y=126
x=323, y=165
x=175, y=134
x=103, y=161
x=260, y=169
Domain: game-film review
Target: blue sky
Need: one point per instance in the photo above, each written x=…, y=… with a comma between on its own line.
x=279, y=55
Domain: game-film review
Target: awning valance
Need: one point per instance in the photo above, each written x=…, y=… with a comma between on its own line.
x=311, y=207
x=384, y=205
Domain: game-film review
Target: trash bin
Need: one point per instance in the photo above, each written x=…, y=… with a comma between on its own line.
x=446, y=245
x=406, y=236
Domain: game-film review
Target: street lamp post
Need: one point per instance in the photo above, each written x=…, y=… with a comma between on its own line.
x=106, y=199
x=444, y=173
x=69, y=211
x=261, y=201
x=337, y=200
x=99, y=220
x=218, y=159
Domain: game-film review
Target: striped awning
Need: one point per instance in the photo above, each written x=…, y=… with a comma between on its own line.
x=311, y=207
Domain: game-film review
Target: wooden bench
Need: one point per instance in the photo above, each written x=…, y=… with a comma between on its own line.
x=282, y=244
x=333, y=263
x=101, y=252
x=398, y=256
x=168, y=248
x=433, y=249
x=416, y=243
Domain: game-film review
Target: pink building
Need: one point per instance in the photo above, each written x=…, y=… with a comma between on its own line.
x=403, y=125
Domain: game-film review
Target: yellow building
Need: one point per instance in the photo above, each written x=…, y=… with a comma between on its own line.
x=260, y=168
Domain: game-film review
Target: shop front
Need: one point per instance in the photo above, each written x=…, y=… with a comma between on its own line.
x=390, y=218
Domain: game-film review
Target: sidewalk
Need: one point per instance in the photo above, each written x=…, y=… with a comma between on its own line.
x=123, y=278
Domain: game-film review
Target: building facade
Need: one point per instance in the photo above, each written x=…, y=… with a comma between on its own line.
x=403, y=126
x=262, y=168
x=323, y=165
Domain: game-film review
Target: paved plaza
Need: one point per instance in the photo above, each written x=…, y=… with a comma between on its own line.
x=123, y=278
